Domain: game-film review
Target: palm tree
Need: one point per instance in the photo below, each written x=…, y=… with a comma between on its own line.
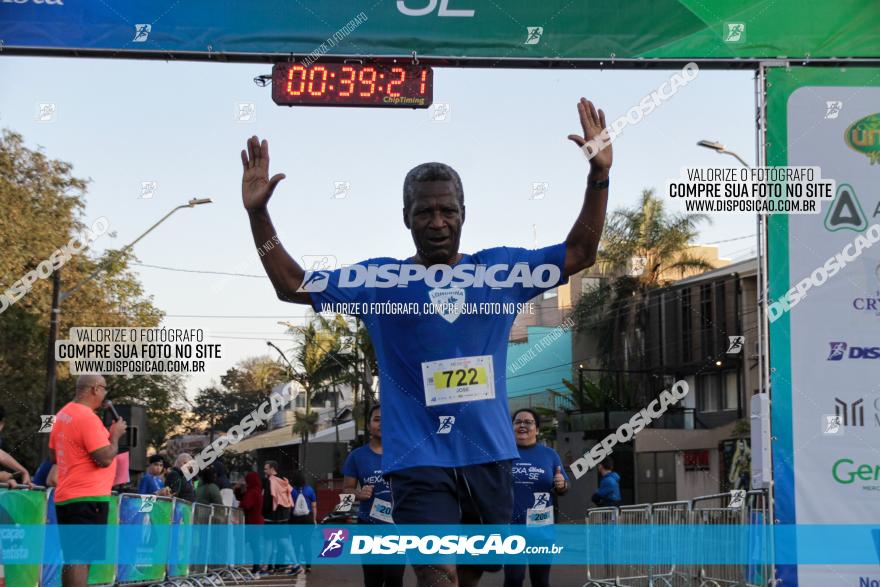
x=313, y=344
x=645, y=247
x=327, y=353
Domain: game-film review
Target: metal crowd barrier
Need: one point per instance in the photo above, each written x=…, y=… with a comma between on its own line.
x=752, y=512
x=35, y=506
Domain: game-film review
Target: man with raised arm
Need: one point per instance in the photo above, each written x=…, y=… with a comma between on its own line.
x=447, y=442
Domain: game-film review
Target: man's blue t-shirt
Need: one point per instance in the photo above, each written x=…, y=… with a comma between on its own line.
x=460, y=420
x=533, y=474
x=150, y=485
x=366, y=466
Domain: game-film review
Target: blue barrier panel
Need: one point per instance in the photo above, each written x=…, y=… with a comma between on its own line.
x=51, y=571
x=179, y=553
x=153, y=515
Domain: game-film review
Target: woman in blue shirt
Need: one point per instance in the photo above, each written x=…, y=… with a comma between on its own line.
x=538, y=477
x=364, y=466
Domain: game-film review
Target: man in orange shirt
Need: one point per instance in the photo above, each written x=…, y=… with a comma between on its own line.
x=84, y=451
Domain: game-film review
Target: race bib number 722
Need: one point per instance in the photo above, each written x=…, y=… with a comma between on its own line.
x=463, y=379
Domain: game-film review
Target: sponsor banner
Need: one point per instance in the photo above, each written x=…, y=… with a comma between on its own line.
x=825, y=347
x=483, y=544
x=481, y=29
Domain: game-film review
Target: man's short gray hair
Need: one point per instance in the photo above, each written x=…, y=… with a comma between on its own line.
x=430, y=172
x=182, y=459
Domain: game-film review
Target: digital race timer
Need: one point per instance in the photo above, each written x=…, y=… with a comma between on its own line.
x=352, y=84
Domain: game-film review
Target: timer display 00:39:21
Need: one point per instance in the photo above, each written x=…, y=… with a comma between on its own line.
x=348, y=84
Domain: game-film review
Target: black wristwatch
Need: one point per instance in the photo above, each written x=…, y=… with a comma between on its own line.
x=599, y=185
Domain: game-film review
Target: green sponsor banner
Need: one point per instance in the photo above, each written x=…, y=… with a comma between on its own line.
x=826, y=117
x=557, y=30
x=19, y=507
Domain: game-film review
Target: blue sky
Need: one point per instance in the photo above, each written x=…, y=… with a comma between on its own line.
x=124, y=122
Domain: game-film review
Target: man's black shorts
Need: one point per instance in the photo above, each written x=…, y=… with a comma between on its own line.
x=89, y=513
x=476, y=494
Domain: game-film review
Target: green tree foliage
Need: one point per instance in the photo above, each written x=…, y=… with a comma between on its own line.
x=243, y=388
x=41, y=208
x=614, y=311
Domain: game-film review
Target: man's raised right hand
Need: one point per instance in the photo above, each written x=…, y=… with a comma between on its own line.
x=256, y=187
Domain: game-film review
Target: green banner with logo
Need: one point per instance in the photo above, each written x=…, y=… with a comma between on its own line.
x=26, y=508
x=824, y=285
x=554, y=30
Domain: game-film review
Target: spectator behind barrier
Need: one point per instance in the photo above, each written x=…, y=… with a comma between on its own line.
x=176, y=481
x=608, y=493
x=6, y=460
x=85, y=453
x=208, y=492
x=153, y=480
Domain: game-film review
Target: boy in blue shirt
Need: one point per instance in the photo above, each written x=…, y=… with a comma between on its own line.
x=608, y=493
x=152, y=481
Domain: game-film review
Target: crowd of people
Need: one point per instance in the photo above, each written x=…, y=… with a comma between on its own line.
x=83, y=449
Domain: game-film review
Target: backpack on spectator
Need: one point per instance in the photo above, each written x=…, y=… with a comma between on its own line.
x=300, y=505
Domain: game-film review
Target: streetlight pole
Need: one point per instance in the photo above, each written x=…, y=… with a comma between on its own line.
x=762, y=274
x=58, y=296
